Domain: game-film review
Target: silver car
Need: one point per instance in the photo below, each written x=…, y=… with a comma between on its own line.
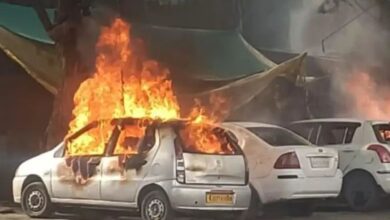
x=161, y=178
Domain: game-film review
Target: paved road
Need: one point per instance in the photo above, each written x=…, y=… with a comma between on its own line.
x=316, y=216
x=320, y=215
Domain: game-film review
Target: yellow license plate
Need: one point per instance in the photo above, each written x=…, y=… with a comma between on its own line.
x=219, y=198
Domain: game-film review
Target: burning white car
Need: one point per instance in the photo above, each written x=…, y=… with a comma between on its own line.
x=152, y=168
x=286, y=167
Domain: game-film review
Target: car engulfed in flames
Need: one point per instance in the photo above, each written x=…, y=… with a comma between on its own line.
x=131, y=140
x=126, y=84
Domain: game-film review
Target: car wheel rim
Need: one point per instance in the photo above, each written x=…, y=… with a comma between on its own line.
x=35, y=201
x=360, y=198
x=155, y=209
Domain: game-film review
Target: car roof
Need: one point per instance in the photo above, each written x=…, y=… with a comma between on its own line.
x=251, y=124
x=380, y=122
x=348, y=120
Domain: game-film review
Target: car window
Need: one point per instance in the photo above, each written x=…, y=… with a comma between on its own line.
x=134, y=139
x=90, y=140
x=336, y=133
x=278, y=136
x=382, y=132
x=307, y=131
x=207, y=140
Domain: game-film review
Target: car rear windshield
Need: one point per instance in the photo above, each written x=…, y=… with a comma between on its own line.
x=207, y=140
x=278, y=136
x=382, y=132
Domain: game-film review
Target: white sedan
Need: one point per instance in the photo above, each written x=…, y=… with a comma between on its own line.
x=285, y=167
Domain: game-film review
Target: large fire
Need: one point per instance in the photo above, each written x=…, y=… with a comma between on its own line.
x=368, y=98
x=126, y=84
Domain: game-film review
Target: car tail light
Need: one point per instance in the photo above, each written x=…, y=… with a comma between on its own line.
x=180, y=168
x=381, y=151
x=287, y=161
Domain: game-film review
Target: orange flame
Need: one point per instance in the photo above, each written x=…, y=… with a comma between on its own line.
x=370, y=100
x=199, y=133
x=127, y=85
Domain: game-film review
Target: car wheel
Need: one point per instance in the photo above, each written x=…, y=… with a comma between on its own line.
x=155, y=206
x=300, y=209
x=36, y=201
x=361, y=192
x=255, y=208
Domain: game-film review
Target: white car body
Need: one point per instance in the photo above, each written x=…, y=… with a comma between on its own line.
x=274, y=185
x=353, y=143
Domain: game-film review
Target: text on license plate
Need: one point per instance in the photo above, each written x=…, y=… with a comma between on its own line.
x=320, y=162
x=219, y=198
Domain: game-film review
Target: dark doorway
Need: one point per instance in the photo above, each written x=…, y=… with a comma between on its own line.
x=25, y=107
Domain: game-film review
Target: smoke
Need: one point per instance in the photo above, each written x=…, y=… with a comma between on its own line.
x=368, y=98
x=355, y=36
x=361, y=84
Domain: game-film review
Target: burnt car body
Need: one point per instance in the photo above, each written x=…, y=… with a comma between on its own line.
x=160, y=177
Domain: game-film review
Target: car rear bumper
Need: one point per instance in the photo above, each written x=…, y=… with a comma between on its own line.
x=188, y=197
x=290, y=186
x=17, y=184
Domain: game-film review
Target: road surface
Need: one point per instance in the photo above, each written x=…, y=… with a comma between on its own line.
x=319, y=215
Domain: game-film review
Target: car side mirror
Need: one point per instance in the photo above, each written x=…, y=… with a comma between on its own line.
x=135, y=162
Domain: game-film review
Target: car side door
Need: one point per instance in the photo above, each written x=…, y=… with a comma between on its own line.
x=339, y=135
x=76, y=177
x=76, y=172
x=127, y=163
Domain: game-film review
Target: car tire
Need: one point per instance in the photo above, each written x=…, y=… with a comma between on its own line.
x=300, y=209
x=36, y=201
x=156, y=205
x=361, y=192
x=255, y=208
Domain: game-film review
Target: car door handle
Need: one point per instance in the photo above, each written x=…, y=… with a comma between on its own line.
x=348, y=151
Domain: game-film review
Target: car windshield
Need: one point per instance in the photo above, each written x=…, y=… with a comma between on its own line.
x=382, y=133
x=278, y=137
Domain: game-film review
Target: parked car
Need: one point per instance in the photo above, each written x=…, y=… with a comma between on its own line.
x=364, y=152
x=284, y=167
x=163, y=175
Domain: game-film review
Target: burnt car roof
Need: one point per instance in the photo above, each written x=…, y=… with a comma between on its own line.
x=132, y=121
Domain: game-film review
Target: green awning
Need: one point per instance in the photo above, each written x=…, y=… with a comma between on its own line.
x=39, y=60
x=220, y=61
x=23, y=21
x=209, y=55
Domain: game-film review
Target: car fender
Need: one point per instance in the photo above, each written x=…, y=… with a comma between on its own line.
x=38, y=166
x=165, y=185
